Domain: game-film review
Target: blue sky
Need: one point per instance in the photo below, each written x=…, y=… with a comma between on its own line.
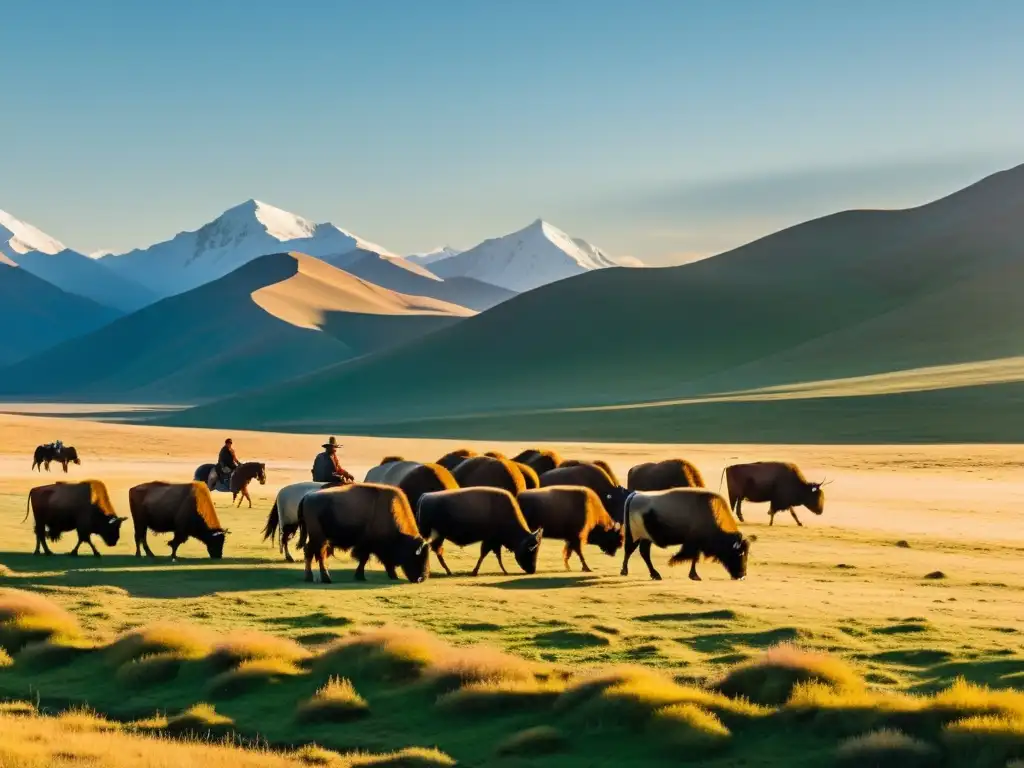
x=657, y=129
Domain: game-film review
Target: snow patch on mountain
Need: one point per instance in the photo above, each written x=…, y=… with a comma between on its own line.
x=535, y=256
x=18, y=236
x=437, y=254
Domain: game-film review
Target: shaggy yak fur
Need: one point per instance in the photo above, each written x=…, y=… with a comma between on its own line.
x=82, y=507
x=574, y=515
x=780, y=483
x=186, y=509
x=663, y=475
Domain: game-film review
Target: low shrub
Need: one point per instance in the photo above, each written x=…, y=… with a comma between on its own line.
x=250, y=675
x=534, y=742
x=146, y=671
x=200, y=721
x=887, y=748
x=689, y=728
x=388, y=654
x=180, y=641
x=50, y=654
x=26, y=617
x=770, y=680
x=986, y=740
x=252, y=646
x=492, y=697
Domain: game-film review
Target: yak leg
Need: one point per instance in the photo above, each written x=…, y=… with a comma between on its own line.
x=41, y=545
x=360, y=574
x=325, y=575
x=739, y=508
x=566, y=551
x=793, y=513
x=174, y=543
x=497, y=554
x=391, y=572
x=484, y=549
x=645, y=553
x=308, y=555
x=142, y=539
x=577, y=547
x=438, y=547
x=627, y=552
x=771, y=516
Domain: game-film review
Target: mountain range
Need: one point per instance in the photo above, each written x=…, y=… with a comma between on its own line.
x=661, y=353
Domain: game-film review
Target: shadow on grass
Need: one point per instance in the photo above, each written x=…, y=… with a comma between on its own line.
x=546, y=582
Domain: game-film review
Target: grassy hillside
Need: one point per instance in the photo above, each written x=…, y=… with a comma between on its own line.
x=276, y=317
x=857, y=293
x=35, y=315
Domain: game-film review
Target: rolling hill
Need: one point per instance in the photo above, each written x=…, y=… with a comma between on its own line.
x=277, y=316
x=73, y=272
x=860, y=292
x=399, y=274
x=35, y=314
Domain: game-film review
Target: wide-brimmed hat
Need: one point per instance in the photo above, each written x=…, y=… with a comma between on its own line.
x=331, y=443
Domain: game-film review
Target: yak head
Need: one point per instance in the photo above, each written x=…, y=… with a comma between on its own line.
x=615, y=502
x=608, y=539
x=215, y=542
x=527, y=551
x=734, y=557
x=415, y=562
x=72, y=455
x=109, y=529
x=814, y=497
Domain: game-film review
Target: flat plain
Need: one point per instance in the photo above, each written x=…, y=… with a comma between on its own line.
x=911, y=578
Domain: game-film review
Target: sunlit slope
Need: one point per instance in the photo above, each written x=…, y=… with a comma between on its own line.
x=857, y=293
x=276, y=317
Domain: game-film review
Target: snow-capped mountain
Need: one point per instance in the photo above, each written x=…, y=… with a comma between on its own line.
x=46, y=257
x=532, y=257
x=444, y=252
x=236, y=237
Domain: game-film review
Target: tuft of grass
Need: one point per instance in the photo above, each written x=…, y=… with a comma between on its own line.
x=963, y=699
x=5, y=659
x=17, y=709
x=490, y=697
x=181, y=641
x=849, y=712
x=887, y=748
x=200, y=721
x=534, y=742
x=985, y=739
x=48, y=654
x=630, y=696
x=479, y=664
x=85, y=720
x=770, y=679
x=689, y=728
x=26, y=617
x=410, y=757
x=251, y=646
x=390, y=654
x=337, y=701
x=250, y=675
x=147, y=671
x=313, y=754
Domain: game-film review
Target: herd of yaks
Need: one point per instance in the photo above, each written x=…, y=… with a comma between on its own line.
x=406, y=509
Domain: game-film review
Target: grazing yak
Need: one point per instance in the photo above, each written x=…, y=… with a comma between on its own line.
x=490, y=516
x=413, y=478
x=82, y=507
x=612, y=495
x=186, y=509
x=488, y=472
x=780, y=483
x=452, y=459
x=599, y=463
x=285, y=514
x=46, y=454
x=574, y=515
x=368, y=519
x=539, y=460
x=663, y=475
x=695, y=519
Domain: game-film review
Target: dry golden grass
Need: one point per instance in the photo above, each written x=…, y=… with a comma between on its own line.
x=26, y=617
x=966, y=698
x=388, y=653
x=177, y=640
x=887, y=748
x=251, y=674
x=488, y=697
x=689, y=728
x=477, y=664
x=5, y=659
x=200, y=720
x=337, y=701
x=249, y=646
x=49, y=654
x=85, y=720
x=152, y=669
x=989, y=739
x=771, y=679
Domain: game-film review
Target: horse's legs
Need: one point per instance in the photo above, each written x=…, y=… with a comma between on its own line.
x=284, y=547
x=245, y=493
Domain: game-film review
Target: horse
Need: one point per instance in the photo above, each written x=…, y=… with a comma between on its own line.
x=237, y=482
x=48, y=453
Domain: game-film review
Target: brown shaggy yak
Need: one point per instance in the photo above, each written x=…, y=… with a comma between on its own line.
x=530, y=478
x=490, y=516
x=369, y=519
x=452, y=459
x=780, y=483
x=574, y=515
x=662, y=475
x=695, y=519
x=612, y=496
x=539, y=460
x=599, y=463
x=414, y=478
x=487, y=472
x=186, y=509
x=82, y=507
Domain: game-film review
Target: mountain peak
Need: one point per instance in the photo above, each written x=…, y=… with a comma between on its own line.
x=277, y=222
x=22, y=237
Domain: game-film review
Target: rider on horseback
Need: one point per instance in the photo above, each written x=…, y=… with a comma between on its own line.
x=327, y=468
x=227, y=461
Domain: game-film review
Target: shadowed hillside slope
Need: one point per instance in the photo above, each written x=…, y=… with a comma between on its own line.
x=864, y=291
x=406, y=276
x=35, y=314
x=275, y=317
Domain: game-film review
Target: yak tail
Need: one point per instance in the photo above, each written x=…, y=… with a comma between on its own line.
x=28, y=507
x=302, y=524
x=271, y=528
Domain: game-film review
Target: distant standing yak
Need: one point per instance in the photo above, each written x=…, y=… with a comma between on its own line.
x=46, y=454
